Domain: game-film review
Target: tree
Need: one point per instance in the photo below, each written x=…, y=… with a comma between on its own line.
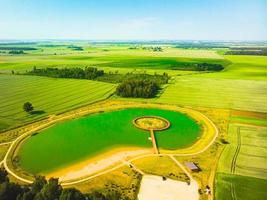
x=38, y=184
x=9, y=191
x=138, y=88
x=71, y=194
x=96, y=196
x=3, y=175
x=51, y=190
x=26, y=196
x=27, y=107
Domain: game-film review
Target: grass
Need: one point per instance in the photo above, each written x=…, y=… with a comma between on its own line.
x=216, y=93
x=107, y=56
x=253, y=147
x=249, y=120
x=242, y=167
x=123, y=180
x=48, y=96
x=3, y=150
x=161, y=166
x=56, y=147
x=242, y=85
x=243, y=187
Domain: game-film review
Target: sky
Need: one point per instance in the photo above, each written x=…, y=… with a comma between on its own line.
x=134, y=19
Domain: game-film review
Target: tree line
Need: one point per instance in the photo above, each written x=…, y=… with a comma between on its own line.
x=247, y=51
x=198, y=67
x=41, y=189
x=17, y=48
x=208, y=67
x=16, y=52
x=131, y=84
x=76, y=73
x=92, y=73
x=76, y=48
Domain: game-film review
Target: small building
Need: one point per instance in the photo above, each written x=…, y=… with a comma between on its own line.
x=192, y=166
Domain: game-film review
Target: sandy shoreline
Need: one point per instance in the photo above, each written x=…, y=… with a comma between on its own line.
x=96, y=164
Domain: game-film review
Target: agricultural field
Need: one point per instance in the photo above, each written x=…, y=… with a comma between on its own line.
x=215, y=92
x=233, y=97
x=118, y=56
x=49, y=97
x=242, y=172
x=234, y=88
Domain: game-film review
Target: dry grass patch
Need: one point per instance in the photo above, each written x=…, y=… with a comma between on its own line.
x=161, y=166
x=123, y=180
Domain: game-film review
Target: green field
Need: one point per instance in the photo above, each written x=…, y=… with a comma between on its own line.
x=241, y=85
x=48, y=96
x=108, y=56
x=199, y=90
x=242, y=166
x=245, y=188
x=72, y=141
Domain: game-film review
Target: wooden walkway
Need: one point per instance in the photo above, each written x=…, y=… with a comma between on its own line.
x=154, y=143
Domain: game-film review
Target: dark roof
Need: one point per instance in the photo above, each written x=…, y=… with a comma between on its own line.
x=191, y=166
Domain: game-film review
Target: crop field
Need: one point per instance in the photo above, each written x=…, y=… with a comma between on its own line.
x=234, y=88
x=108, y=56
x=242, y=165
x=199, y=90
x=48, y=96
x=56, y=147
x=249, y=188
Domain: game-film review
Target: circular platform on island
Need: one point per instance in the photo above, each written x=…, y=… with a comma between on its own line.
x=154, y=123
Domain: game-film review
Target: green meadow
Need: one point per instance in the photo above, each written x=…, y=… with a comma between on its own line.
x=48, y=96
x=199, y=90
x=68, y=142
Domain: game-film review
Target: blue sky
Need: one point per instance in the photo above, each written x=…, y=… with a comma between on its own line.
x=134, y=19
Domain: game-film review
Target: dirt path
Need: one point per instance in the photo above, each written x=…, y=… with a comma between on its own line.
x=131, y=165
x=154, y=143
x=5, y=143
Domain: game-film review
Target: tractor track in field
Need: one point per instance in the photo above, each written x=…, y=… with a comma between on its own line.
x=233, y=164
